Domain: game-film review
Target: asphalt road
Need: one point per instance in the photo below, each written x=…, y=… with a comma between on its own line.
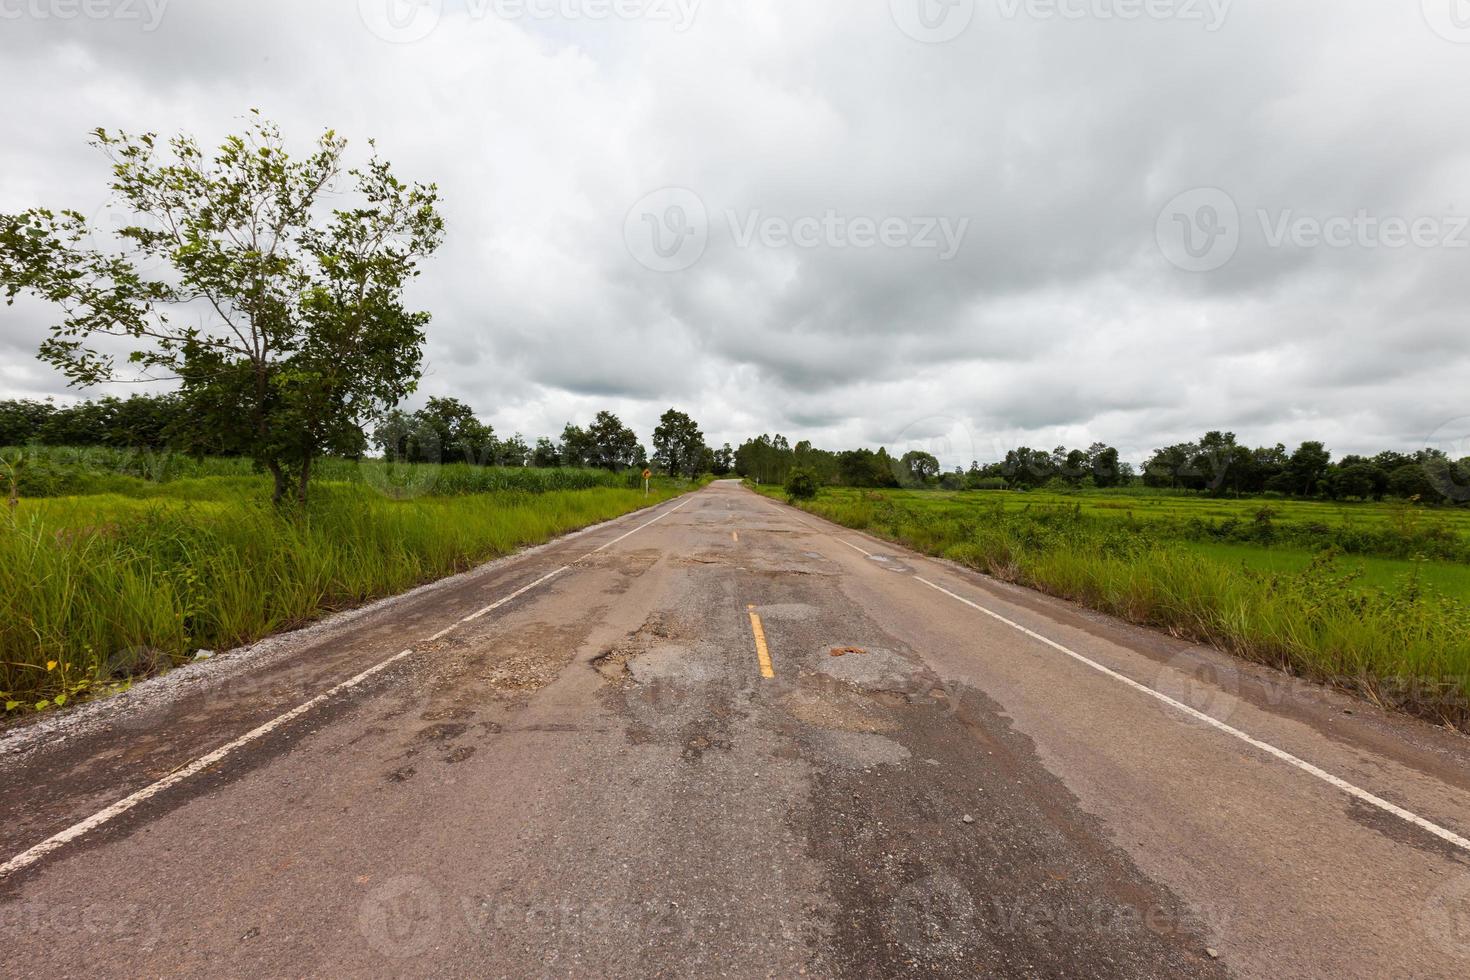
x=586, y=772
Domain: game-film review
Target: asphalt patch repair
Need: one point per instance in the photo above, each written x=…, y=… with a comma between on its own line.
x=970, y=859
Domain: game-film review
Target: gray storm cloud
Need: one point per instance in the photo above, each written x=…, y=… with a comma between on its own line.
x=1059, y=140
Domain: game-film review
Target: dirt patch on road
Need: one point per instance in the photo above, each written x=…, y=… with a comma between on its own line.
x=838, y=709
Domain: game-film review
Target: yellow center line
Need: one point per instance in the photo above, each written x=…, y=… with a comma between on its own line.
x=761, y=650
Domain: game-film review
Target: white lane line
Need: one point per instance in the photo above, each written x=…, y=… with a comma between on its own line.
x=480, y=614
x=1284, y=756
x=548, y=577
x=1335, y=781
x=632, y=532
x=32, y=855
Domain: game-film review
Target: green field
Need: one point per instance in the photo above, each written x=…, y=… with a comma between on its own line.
x=1450, y=578
x=1374, y=598
x=1385, y=530
x=98, y=588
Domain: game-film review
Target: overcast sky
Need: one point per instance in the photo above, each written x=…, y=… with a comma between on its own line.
x=952, y=224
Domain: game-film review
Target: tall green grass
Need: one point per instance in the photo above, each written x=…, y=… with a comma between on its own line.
x=95, y=590
x=60, y=471
x=1405, y=644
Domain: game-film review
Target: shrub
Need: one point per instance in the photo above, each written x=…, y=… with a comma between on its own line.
x=801, y=485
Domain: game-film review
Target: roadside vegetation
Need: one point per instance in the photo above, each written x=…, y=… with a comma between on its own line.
x=1374, y=598
x=279, y=477
x=125, y=576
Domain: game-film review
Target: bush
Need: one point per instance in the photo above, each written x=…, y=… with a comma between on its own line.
x=801, y=485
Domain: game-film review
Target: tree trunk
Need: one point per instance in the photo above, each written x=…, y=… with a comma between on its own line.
x=305, y=481
x=279, y=476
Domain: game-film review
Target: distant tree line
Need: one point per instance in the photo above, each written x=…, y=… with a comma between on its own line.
x=448, y=430
x=1216, y=465
x=770, y=459
x=141, y=422
x=445, y=430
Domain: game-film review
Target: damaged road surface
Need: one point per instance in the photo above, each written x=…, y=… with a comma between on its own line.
x=573, y=764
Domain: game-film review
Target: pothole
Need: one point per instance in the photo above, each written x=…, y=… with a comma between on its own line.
x=613, y=662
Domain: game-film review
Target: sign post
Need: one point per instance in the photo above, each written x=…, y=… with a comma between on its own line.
x=647, y=475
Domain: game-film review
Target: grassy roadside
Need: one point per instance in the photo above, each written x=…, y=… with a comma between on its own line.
x=1400, y=642
x=98, y=590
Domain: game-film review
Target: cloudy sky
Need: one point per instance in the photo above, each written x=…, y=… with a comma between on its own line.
x=957, y=224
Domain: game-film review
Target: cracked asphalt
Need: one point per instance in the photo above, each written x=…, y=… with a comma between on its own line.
x=596, y=780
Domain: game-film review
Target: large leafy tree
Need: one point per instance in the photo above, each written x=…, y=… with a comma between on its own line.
x=1307, y=466
x=678, y=445
x=918, y=467
x=461, y=436
x=613, y=445
x=545, y=454
x=605, y=444
x=576, y=447
x=278, y=303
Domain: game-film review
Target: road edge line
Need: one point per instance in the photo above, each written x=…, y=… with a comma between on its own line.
x=1281, y=754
